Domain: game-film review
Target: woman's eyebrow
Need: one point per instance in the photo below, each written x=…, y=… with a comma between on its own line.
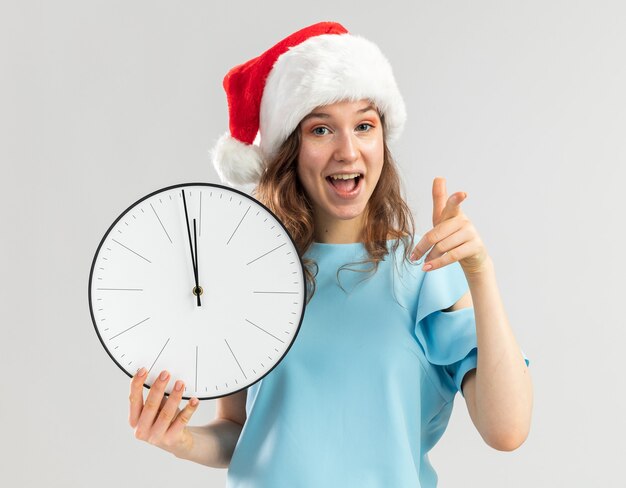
x=369, y=107
x=320, y=115
x=323, y=115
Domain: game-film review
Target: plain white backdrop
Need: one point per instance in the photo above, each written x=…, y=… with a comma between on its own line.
x=520, y=104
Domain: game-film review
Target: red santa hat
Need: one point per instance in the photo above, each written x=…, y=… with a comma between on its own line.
x=269, y=95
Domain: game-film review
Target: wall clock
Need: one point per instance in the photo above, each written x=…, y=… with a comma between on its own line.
x=199, y=279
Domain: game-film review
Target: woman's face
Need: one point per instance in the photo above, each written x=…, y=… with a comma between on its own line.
x=343, y=139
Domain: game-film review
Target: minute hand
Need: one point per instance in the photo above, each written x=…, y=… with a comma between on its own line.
x=193, y=260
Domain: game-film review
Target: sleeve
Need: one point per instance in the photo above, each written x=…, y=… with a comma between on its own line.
x=447, y=338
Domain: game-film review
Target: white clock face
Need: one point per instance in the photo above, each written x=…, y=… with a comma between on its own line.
x=144, y=301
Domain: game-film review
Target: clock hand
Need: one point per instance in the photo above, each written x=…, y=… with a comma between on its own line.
x=193, y=261
x=195, y=242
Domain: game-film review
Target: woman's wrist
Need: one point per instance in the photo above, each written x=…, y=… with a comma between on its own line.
x=211, y=445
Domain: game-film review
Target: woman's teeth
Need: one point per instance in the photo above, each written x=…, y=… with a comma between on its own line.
x=344, y=177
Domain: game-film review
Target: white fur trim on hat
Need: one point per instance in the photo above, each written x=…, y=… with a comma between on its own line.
x=323, y=70
x=237, y=163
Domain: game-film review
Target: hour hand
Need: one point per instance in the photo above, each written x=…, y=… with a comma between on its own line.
x=195, y=246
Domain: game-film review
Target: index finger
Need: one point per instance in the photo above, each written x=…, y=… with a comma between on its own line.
x=440, y=196
x=136, y=397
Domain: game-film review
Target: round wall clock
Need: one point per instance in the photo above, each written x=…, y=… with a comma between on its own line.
x=199, y=279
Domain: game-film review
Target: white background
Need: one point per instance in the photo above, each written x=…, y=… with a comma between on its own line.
x=519, y=104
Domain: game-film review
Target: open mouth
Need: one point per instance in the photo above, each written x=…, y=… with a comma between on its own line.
x=346, y=185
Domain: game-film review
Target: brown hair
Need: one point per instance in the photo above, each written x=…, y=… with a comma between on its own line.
x=387, y=215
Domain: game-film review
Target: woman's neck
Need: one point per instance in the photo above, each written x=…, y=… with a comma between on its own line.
x=339, y=231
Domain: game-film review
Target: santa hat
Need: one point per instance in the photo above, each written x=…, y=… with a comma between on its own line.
x=269, y=95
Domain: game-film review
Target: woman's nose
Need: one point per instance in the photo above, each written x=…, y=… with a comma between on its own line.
x=346, y=148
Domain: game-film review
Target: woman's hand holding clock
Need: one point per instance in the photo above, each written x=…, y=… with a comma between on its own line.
x=159, y=421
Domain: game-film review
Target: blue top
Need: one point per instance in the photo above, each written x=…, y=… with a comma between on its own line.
x=367, y=388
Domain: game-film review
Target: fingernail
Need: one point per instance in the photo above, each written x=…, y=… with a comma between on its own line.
x=163, y=375
x=141, y=372
x=179, y=385
x=427, y=267
x=193, y=402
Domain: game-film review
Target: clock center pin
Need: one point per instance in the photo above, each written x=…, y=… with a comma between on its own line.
x=197, y=290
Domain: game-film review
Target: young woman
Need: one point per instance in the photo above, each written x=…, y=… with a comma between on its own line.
x=388, y=338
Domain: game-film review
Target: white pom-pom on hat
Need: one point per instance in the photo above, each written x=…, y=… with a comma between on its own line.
x=236, y=162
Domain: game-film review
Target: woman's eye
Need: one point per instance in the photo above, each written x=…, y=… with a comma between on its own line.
x=317, y=129
x=369, y=126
